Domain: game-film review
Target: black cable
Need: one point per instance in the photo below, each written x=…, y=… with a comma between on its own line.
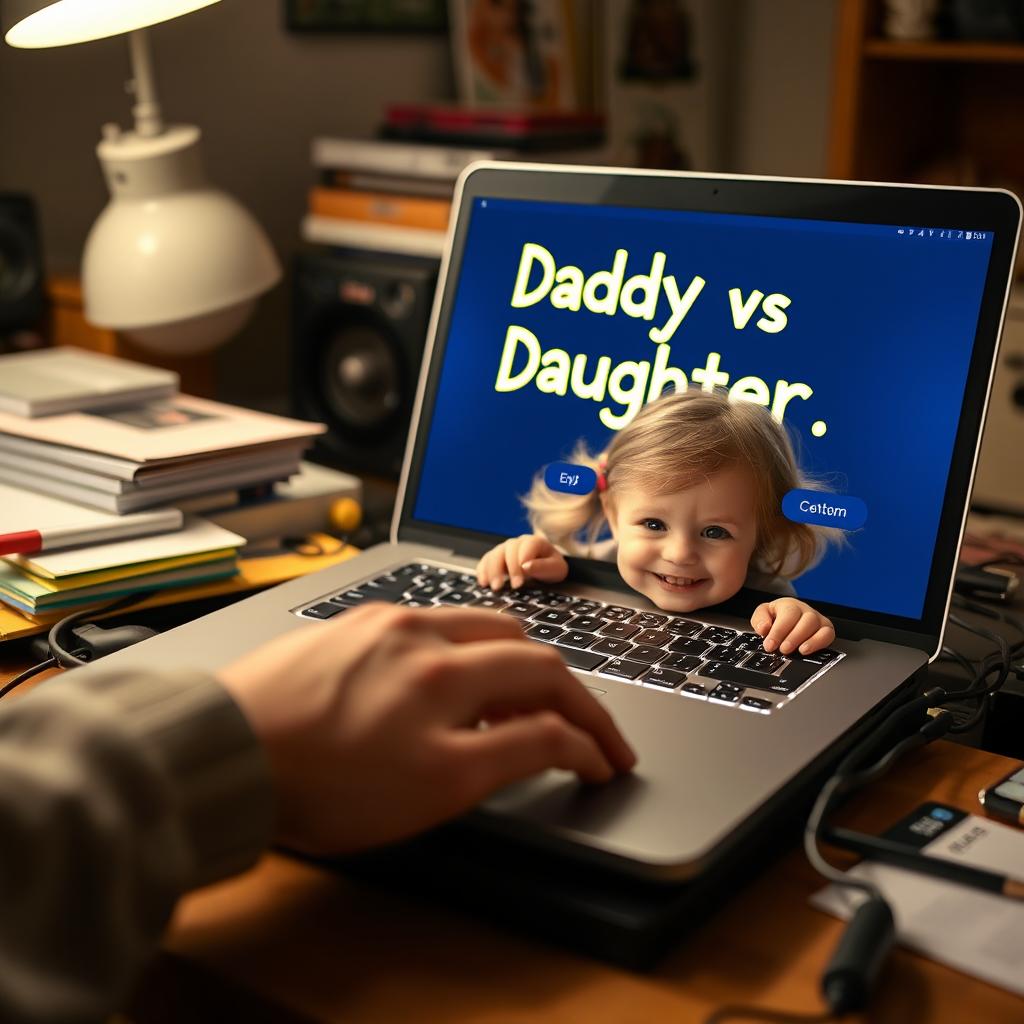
x=27, y=674
x=69, y=659
x=737, y=1012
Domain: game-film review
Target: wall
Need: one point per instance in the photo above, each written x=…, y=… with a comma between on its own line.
x=260, y=93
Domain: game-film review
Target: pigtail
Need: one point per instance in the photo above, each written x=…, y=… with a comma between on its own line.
x=572, y=522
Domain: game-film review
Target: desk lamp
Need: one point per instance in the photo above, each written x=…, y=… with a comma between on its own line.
x=173, y=263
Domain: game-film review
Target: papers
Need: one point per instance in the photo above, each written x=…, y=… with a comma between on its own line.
x=197, y=536
x=979, y=933
x=54, y=380
x=170, y=429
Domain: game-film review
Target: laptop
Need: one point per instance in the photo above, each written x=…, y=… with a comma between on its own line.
x=864, y=317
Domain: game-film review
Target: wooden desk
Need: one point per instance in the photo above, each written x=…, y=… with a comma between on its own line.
x=302, y=940
x=289, y=942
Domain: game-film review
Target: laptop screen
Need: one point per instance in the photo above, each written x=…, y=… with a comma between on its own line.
x=854, y=338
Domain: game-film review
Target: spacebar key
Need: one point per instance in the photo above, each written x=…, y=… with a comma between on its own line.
x=744, y=677
x=575, y=658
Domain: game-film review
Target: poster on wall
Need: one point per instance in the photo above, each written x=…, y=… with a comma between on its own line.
x=366, y=15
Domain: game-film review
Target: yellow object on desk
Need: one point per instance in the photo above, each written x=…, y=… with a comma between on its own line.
x=255, y=572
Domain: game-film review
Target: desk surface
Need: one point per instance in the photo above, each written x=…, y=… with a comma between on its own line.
x=296, y=938
x=288, y=941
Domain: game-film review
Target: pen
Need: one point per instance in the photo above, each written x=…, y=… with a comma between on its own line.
x=31, y=542
x=891, y=852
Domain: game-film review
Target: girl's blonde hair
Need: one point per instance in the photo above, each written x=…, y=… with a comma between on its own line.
x=672, y=443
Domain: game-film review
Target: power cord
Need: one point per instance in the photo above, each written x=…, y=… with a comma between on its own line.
x=90, y=641
x=847, y=981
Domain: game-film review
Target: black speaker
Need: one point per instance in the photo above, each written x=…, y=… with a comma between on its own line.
x=22, y=296
x=359, y=324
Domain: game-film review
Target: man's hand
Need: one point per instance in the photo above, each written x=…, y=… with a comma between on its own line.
x=371, y=721
x=519, y=559
x=788, y=624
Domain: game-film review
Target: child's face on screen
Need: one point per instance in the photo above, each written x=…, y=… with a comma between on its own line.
x=689, y=549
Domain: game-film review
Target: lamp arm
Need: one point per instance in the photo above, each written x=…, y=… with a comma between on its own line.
x=146, y=110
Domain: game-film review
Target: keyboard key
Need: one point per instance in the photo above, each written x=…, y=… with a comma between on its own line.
x=553, y=617
x=718, y=635
x=649, y=620
x=694, y=690
x=405, y=572
x=729, y=655
x=619, y=630
x=751, y=641
x=683, y=627
x=796, y=673
x=586, y=661
x=417, y=602
x=494, y=603
x=617, y=613
x=823, y=657
x=724, y=694
x=552, y=600
x=742, y=677
x=577, y=638
x=591, y=623
x=664, y=678
x=544, y=632
x=587, y=608
x=611, y=646
x=657, y=637
x=647, y=654
x=324, y=610
x=426, y=590
x=682, y=645
x=623, y=669
x=681, y=662
x=457, y=597
x=520, y=609
x=762, y=662
x=757, y=704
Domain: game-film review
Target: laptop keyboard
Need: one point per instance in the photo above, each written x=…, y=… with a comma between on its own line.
x=658, y=650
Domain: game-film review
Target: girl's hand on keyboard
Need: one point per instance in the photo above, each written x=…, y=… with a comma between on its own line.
x=521, y=558
x=788, y=624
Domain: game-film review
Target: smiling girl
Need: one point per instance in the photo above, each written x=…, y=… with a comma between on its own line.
x=691, y=492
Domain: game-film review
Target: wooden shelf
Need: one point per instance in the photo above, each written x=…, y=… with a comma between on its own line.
x=952, y=51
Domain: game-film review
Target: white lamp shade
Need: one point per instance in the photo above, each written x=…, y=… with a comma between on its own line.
x=38, y=23
x=173, y=257
x=171, y=260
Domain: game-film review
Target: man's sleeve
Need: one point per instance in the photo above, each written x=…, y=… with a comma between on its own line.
x=118, y=792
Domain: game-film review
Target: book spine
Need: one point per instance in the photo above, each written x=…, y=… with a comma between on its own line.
x=392, y=184
x=376, y=237
x=380, y=208
x=408, y=159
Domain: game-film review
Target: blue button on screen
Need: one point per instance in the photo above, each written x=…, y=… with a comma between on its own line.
x=570, y=478
x=818, y=508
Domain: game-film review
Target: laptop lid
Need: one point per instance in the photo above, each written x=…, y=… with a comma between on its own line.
x=864, y=317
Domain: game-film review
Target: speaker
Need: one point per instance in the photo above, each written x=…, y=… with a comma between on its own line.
x=359, y=325
x=22, y=296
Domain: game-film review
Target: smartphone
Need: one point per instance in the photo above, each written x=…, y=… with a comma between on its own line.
x=1005, y=799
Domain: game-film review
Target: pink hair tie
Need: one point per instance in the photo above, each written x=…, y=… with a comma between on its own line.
x=602, y=478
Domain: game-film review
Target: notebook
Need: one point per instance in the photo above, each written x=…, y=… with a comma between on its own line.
x=862, y=318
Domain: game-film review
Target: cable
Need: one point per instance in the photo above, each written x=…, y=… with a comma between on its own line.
x=27, y=674
x=70, y=659
x=738, y=1012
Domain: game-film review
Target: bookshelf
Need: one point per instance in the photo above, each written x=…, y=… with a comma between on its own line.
x=934, y=111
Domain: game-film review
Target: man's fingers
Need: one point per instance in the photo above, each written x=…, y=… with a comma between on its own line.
x=520, y=747
x=530, y=676
x=806, y=626
x=466, y=625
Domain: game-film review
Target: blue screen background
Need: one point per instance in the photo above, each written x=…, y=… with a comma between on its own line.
x=881, y=326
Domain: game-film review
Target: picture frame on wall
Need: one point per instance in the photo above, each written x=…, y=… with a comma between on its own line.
x=366, y=15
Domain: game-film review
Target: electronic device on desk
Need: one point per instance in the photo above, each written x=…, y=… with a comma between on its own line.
x=555, y=278
x=22, y=297
x=359, y=324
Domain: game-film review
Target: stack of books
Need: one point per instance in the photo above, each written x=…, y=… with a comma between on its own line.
x=98, y=460
x=393, y=196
